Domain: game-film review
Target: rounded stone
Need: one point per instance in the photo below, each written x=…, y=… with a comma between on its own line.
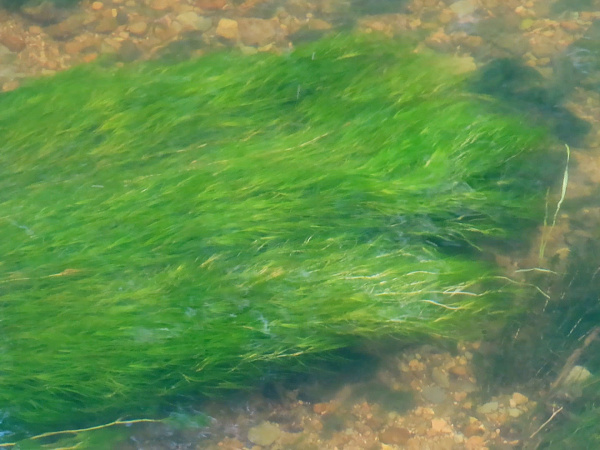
x=264, y=434
x=228, y=29
x=138, y=28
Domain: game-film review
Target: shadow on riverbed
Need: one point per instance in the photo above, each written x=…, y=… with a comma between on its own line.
x=523, y=89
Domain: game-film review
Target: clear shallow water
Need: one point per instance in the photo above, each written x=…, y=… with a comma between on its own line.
x=551, y=74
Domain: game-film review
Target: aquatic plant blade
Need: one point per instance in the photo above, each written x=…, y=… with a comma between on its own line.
x=176, y=230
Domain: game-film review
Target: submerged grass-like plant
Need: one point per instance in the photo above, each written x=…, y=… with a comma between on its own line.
x=177, y=230
x=15, y=4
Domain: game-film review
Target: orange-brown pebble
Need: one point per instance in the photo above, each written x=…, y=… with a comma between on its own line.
x=211, y=4
x=10, y=85
x=228, y=29
x=473, y=41
x=416, y=365
x=91, y=57
x=231, y=444
x=475, y=443
x=376, y=25
x=474, y=428
x=52, y=65
x=440, y=426
x=446, y=16
x=258, y=31
x=13, y=42
x=97, y=6
x=476, y=345
x=589, y=15
x=459, y=371
x=73, y=47
x=460, y=396
x=570, y=25
x=323, y=408
x=519, y=399
x=160, y=5
x=318, y=24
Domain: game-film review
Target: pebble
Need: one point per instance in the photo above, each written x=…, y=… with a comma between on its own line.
x=466, y=385
x=128, y=51
x=5, y=52
x=211, y=4
x=258, y=31
x=434, y=394
x=264, y=434
x=191, y=21
x=65, y=29
x=228, y=29
x=522, y=11
x=248, y=50
x=10, y=86
x=439, y=39
x=446, y=16
x=323, y=408
x=475, y=443
x=107, y=25
x=73, y=47
x=464, y=7
x=459, y=371
x=395, y=436
x=518, y=399
x=160, y=5
x=168, y=30
x=570, y=25
x=231, y=444
x=589, y=15
x=138, y=28
x=97, y=6
x=488, y=407
x=472, y=41
x=514, y=412
x=440, y=426
x=415, y=365
x=440, y=377
x=376, y=25
x=110, y=45
x=474, y=428
x=12, y=41
x=526, y=24
x=577, y=375
x=318, y=25
x=460, y=396
x=90, y=57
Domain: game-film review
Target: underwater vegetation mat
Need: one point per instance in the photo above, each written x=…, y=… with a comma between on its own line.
x=171, y=231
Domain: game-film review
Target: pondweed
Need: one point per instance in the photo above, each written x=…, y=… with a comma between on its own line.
x=178, y=230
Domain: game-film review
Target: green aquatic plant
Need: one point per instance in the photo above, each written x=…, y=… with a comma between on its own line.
x=172, y=231
x=568, y=352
